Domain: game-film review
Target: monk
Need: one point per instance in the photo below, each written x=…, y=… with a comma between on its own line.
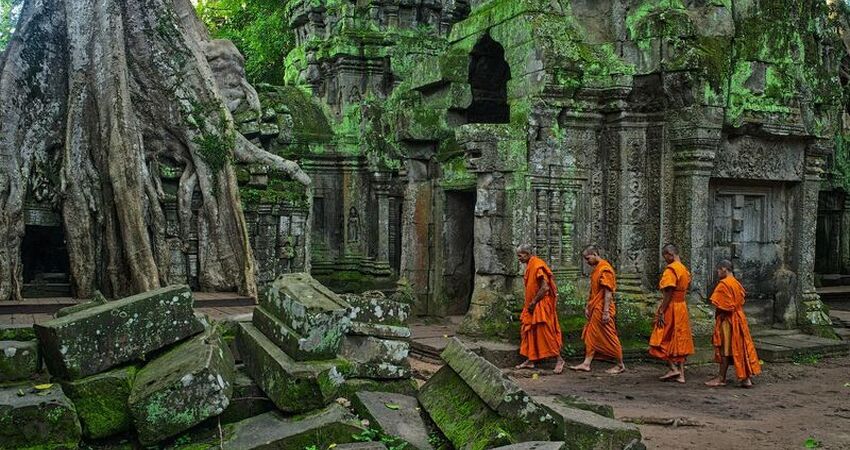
x=600, y=332
x=540, y=330
x=671, y=338
x=732, y=340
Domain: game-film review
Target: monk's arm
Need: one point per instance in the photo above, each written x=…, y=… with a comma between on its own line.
x=541, y=292
x=606, y=307
x=665, y=302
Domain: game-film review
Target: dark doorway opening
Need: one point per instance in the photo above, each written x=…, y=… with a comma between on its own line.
x=488, y=77
x=830, y=239
x=46, y=267
x=459, y=262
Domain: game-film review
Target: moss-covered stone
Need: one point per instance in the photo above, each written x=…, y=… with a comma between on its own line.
x=583, y=429
x=96, y=301
x=373, y=357
x=182, y=388
x=105, y=336
x=248, y=400
x=406, y=386
x=19, y=360
x=318, y=429
x=37, y=419
x=101, y=402
x=293, y=386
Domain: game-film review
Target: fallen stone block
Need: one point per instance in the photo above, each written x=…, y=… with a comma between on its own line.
x=296, y=346
x=32, y=418
x=498, y=391
x=312, y=311
x=351, y=386
x=101, y=401
x=105, y=336
x=581, y=403
x=18, y=360
x=377, y=358
x=68, y=310
x=293, y=386
x=183, y=387
x=17, y=333
x=377, y=309
x=395, y=415
x=465, y=420
x=587, y=430
x=248, y=400
x=362, y=446
x=536, y=445
x=332, y=425
x=378, y=330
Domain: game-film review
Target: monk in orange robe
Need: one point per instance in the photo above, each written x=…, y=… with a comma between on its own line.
x=540, y=330
x=600, y=332
x=732, y=340
x=671, y=338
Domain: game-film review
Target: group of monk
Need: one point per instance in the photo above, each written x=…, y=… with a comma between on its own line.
x=671, y=339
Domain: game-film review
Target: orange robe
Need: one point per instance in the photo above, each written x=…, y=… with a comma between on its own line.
x=601, y=338
x=673, y=342
x=728, y=298
x=540, y=332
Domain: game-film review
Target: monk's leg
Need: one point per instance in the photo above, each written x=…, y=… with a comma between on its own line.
x=619, y=368
x=559, y=365
x=585, y=365
x=672, y=371
x=681, y=368
x=720, y=379
x=747, y=383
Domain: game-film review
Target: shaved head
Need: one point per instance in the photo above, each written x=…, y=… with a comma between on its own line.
x=525, y=248
x=671, y=249
x=591, y=250
x=725, y=264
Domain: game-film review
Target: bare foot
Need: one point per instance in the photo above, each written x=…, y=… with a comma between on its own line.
x=526, y=365
x=715, y=382
x=669, y=374
x=616, y=370
x=559, y=367
x=581, y=368
x=681, y=378
x=747, y=384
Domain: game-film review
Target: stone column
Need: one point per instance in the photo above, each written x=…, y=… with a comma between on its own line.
x=693, y=152
x=380, y=182
x=811, y=313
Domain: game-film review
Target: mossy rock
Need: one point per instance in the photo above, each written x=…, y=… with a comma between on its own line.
x=37, y=419
x=101, y=402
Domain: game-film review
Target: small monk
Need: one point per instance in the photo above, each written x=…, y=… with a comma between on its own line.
x=540, y=330
x=732, y=340
x=600, y=332
x=671, y=338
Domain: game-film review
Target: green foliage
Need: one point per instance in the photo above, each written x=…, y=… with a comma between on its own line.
x=215, y=140
x=9, y=11
x=803, y=359
x=258, y=28
x=373, y=435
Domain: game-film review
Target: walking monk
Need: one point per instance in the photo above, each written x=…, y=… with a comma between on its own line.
x=540, y=331
x=732, y=340
x=600, y=332
x=671, y=338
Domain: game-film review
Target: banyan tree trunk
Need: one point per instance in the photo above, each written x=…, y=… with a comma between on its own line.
x=107, y=90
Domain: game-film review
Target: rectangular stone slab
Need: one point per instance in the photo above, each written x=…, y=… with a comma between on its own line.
x=378, y=330
x=332, y=425
x=180, y=389
x=18, y=360
x=37, y=419
x=497, y=390
x=248, y=400
x=293, y=386
x=465, y=420
x=101, y=401
x=106, y=336
x=585, y=429
x=377, y=310
x=296, y=346
x=305, y=305
x=394, y=414
x=377, y=358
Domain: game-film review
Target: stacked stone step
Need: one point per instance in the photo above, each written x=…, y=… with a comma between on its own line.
x=143, y=362
x=19, y=357
x=290, y=347
x=476, y=406
x=378, y=339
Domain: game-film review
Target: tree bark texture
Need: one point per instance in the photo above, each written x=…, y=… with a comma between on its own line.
x=109, y=91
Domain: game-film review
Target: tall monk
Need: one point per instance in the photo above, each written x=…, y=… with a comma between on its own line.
x=540, y=330
x=671, y=338
x=732, y=340
x=600, y=332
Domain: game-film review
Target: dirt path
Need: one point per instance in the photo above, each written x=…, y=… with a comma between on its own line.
x=790, y=404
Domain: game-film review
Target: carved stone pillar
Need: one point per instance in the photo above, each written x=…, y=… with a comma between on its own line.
x=693, y=161
x=382, y=190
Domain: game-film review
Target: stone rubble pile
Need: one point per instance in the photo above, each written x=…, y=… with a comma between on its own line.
x=312, y=370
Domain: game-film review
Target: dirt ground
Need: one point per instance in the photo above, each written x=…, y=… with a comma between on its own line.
x=790, y=404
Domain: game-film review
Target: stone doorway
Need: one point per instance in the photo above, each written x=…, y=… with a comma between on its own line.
x=46, y=267
x=830, y=241
x=458, y=265
x=749, y=226
x=488, y=77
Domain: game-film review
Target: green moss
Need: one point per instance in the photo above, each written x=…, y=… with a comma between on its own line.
x=101, y=402
x=214, y=134
x=278, y=191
